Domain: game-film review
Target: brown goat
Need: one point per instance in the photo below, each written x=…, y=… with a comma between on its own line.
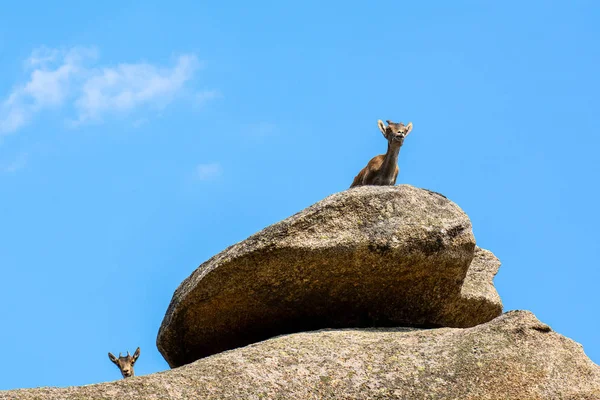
x=383, y=169
x=125, y=363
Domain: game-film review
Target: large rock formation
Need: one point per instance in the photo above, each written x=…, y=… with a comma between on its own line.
x=393, y=259
x=513, y=357
x=370, y=256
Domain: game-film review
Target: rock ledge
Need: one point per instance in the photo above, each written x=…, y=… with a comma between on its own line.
x=369, y=256
x=513, y=357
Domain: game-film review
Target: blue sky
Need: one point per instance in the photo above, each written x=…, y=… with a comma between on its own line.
x=137, y=139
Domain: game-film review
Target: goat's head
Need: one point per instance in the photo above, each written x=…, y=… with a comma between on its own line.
x=395, y=133
x=125, y=363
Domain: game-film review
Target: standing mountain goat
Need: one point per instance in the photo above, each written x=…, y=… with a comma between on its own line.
x=125, y=363
x=383, y=169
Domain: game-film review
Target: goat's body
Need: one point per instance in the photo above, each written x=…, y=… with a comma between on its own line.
x=382, y=170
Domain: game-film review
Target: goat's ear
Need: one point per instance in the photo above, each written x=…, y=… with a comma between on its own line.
x=408, y=128
x=113, y=358
x=381, y=126
x=135, y=355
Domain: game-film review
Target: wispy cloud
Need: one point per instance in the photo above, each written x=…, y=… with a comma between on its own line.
x=207, y=172
x=18, y=163
x=129, y=86
x=262, y=129
x=73, y=79
x=52, y=76
x=203, y=97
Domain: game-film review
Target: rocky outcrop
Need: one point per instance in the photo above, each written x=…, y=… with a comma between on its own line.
x=369, y=256
x=380, y=264
x=513, y=357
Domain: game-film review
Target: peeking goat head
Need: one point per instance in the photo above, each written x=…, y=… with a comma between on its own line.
x=125, y=363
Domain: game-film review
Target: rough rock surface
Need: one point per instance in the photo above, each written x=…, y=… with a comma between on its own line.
x=478, y=296
x=369, y=256
x=515, y=356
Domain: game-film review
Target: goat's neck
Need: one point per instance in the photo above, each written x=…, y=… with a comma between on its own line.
x=390, y=161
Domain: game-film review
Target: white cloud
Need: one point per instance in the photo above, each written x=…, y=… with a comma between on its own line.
x=128, y=86
x=18, y=163
x=262, y=129
x=41, y=56
x=207, y=172
x=12, y=118
x=60, y=79
x=203, y=97
x=48, y=86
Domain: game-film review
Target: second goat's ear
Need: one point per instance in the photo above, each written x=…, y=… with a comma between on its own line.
x=408, y=128
x=381, y=126
x=136, y=355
